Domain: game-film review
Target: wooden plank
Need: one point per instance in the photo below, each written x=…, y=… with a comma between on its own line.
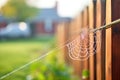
x=66, y=57
x=85, y=25
x=103, y=36
x=72, y=35
x=85, y=18
x=108, y=42
x=115, y=12
x=100, y=63
x=91, y=26
x=77, y=27
x=61, y=34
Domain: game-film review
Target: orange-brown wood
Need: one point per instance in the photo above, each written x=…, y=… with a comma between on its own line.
x=98, y=52
x=115, y=14
x=92, y=57
x=61, y=34
x=100, y=49
x=72, y=35
x=78, y=28
x=79, y=24
x=92, y=17
x=108, y=42
x=85, y=25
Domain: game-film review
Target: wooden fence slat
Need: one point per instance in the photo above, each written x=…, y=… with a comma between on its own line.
x=62, y=37
x=80, y=21
x=115, y=14
x=78, y=26
x=72, y=35
x=85, y=25
x=91, y=25
x=100, y=49
x=108, y=42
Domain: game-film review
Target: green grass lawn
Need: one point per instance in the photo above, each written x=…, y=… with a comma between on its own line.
x=15, y=53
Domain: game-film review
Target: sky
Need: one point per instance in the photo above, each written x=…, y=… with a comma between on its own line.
x=2, y=2
x=66, y=8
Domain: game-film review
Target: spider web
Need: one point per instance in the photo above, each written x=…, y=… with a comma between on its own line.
x=85, y=45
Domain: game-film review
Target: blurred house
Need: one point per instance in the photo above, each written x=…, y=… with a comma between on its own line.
x=46, y=21
x=3, y=22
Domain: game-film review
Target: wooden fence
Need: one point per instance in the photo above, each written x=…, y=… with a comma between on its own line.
x=104, y=64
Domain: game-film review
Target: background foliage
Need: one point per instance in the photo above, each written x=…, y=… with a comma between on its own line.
x=18, y=10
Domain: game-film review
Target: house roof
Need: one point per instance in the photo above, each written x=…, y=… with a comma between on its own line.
x=49, y=14
x=2, y=18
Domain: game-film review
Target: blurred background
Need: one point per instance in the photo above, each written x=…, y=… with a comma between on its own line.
x=27, y=31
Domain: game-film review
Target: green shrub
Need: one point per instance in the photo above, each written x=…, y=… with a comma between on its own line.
x=85, y=74
x=52, y=68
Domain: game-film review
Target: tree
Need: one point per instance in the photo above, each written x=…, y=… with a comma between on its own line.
x=18, y=10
